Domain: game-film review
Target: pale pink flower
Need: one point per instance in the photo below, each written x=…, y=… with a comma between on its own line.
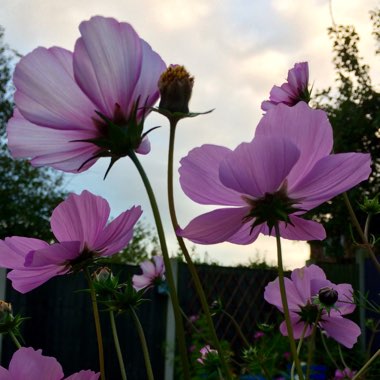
x=205, y=351
x=62, y=98
x=30, y=364
x=291, y=92
x=288, y=163
x=346, y=374
x=301, y=290
x=80, y=226
x=153, y=272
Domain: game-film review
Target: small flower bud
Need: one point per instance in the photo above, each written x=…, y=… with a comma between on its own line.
x=5, y=310
x=328, y=296
x=176, y=86
x=102, y=274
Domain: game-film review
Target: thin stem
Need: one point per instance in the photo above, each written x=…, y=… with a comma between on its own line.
x=144, y=346
x=372, y=338
x=15, y=340
x=341, y=356
x=328, y=351
x=285, y=306
x=312, y=344
x=361, y=233
x=366, y=366
x=191, y=266
x=220, y=374
x=366, y=226
x=298, y=350
x=97, y=323
x=168, y=269
x=117, y=346
x=237, y=327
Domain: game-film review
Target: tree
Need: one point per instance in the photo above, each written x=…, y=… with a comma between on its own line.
x=27, y=195
x=354, y=112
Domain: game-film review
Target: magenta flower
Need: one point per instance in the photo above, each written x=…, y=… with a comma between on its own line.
x=286, y=170
x=153, y=272
x=291, y=92
x=205, y=351
x=301, y=291
x=80, y=226
x=30, y=364
x=346, y=374
x=72, y=108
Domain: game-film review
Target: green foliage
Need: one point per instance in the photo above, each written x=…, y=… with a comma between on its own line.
x=27, y=194
x=354, y=112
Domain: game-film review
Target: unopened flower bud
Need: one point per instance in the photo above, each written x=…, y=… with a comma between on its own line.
x=5, y=309
x=176, y=86
x=328, y=296
x=102, y=274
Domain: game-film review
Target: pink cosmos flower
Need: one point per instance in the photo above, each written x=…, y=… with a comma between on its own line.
x=30, y=364
x=346, y=374
x=291, y=92
x=287, y=166
x=301, y=289
x=152, y=272
x=72, y=108
x=205, y=351
x=80, y=226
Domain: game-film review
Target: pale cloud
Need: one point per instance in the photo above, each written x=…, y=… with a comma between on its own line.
x=237, y=50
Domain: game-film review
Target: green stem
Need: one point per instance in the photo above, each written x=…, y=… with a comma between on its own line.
x=117, y=346
x=180, y=332
x=237, y=327
x=341, y=356
x=285, y=306
x=366, y=366
x=366, y=226
x=97, y=323
x=312, y=344
x=361, y=232
x=15, y=340
x=298, y=350
x=328, y=351
x=144, y=346
x=191, y=266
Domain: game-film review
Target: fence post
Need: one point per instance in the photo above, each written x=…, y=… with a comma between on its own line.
x=170, y=329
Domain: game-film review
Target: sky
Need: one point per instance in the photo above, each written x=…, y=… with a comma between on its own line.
x=236, y=50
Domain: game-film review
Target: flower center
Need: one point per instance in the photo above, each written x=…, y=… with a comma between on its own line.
x=86, y=257
x=271, y=208
x=309, y=313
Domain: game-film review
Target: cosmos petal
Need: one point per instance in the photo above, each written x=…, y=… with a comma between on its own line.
x=84, y=375
x=308, y=129
x=59, y=149
x=343, y=330
x=30, y=364
x=107, y=63
x=215, y=226
x=46, y=93
x=331, y=176
x=199, y=177
x=258, y=167
x=301, y=229
x=25, y=280
x=13, y=250
x=56, y=254
x=117, y=233
x=80, y=218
